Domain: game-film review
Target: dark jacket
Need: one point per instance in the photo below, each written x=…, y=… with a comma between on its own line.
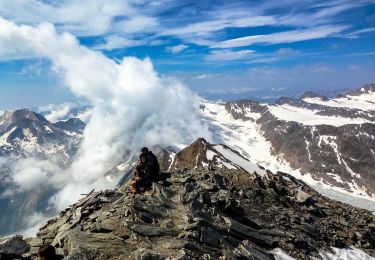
x=153, y=167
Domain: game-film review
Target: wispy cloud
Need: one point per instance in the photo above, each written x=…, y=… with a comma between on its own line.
x=359, y=54
x=116, y=42
x=283, y=37
x=228, y=55
x=357, y=33
x=177, y=48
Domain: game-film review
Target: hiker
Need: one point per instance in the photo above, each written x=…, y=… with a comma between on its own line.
x=141, y=179
x=48, y=252
x=152, y=164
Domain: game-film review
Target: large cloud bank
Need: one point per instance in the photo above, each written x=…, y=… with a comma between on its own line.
x=131, y=105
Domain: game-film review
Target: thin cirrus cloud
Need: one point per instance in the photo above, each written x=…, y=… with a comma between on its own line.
x=113, y=42
x=228, y=55
x=283, y=37
x=177, y=48
x=160, y=18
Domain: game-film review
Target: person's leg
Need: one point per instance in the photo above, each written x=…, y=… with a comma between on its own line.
x=133, y=184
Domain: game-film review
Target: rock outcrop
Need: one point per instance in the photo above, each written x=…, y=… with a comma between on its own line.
x=13, y=247
x=206, y=213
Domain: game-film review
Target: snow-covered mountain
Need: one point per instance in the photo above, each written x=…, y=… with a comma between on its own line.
x=31, y=145
x=24, y=133
x=326, y=142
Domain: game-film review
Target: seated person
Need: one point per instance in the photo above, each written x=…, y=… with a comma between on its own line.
x=141, y=180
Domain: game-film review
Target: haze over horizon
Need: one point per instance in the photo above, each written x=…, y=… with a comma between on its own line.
x=222, y=50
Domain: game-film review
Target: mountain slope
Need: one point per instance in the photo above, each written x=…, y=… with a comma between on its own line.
x=334, y=146
x=199, y=213
x=24, y=133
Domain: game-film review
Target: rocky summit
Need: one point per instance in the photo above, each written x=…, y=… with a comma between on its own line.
x=206, y=213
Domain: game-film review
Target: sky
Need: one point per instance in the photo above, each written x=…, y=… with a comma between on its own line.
x=218, y=49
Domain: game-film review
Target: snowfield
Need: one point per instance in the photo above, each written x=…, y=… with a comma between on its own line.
x=365, y=101
x=310, y=117
x=350, y=253
x=246, y=138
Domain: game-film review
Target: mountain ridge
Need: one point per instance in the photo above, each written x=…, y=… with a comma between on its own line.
x=207, y=212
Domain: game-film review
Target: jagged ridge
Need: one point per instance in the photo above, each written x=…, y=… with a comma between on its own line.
x=195, y=213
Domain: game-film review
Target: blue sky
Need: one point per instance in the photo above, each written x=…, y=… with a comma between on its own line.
x=217, y=48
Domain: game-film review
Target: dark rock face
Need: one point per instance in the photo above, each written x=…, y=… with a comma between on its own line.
x=365, y=89
x=310, y=94
x=198, y=213
x=13, y=247
x=74, y=125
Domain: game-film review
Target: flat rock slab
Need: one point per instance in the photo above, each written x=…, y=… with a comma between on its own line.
x=147, y=230
x=95, y=245
x=13, y=246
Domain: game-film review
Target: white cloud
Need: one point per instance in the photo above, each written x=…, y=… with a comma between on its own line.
x=283, y=37
x=32, y=224
x=64, y=111
x=57, y=112
x=355, y=34
x=227, y=55
x=132, y=106
x=78, y=17
x=195, y=31
x=116, y=42
x=177, y=48
x=138, y=23
x=29, y=173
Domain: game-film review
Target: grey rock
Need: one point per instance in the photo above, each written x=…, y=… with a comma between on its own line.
x=14, y=245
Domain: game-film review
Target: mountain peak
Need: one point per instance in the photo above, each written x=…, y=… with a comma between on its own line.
x=365, y=89
x=310, y=94
x=20, y=115
x=202, y=155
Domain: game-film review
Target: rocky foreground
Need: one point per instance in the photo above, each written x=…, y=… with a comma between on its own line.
x=206, y=214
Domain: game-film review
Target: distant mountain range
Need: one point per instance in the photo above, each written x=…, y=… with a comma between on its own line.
x=327, y=142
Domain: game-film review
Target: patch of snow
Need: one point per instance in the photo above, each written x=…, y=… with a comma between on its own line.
x=48, y=129
x=122, y=166
x=171, y=160
x=307, y=148
x=365, y=101
x=247, y=112
x=4, y=137
x=349, y=253
x=335, y=177
x=70, y=133
x=227, y=165
x=210, y=155
x=352, y=173
x=239, y=160
x=281, y=255
x=330, y=140
x=310, y=117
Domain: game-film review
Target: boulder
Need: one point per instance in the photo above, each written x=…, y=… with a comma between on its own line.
x=14, y=245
